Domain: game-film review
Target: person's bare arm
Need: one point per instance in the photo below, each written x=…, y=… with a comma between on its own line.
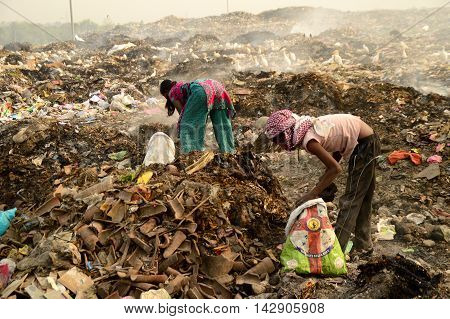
x=337, y=156
x=178, y=106
x=333, y=169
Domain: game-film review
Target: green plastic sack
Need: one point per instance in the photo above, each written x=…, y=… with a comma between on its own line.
x=311, y=246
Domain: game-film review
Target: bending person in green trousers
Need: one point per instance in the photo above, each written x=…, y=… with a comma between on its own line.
x=194, y=101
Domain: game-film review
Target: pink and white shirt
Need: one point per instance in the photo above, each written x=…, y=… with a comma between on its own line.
x=342, y=137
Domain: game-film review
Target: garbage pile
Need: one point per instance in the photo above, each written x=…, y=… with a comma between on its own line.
x=181, y=228
x=393, y=111
x=120, y=69
x=68, y=84
x=84, y=217
x=37, y=154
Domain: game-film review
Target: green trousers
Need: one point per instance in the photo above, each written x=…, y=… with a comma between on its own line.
x=193, y=124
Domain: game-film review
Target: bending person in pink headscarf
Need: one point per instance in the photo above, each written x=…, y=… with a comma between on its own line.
x=330, y=138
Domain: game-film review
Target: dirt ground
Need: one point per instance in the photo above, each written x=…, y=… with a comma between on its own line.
x=297, y=176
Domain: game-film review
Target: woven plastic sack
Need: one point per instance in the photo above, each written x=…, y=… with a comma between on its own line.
x=160, y=150
x=311, y=246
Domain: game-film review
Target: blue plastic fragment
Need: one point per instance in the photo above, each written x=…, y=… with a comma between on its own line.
x=5, y=219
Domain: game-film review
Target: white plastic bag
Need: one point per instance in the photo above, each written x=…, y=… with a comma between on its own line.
x=122, y=103
x=160, y=150
x=120, y=47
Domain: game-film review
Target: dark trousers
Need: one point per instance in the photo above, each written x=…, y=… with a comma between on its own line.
x=355, y=206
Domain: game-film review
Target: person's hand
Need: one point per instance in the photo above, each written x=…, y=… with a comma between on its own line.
x=305, y=198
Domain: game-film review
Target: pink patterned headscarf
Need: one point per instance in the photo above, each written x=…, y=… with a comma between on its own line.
x=289, y=128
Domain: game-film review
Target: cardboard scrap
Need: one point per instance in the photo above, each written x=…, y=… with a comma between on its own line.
x=177, y=208
x=76, y=281
x=155, y=294
x=430, y=172
x=54, y=294
x=117, y=212
x=266, y=266
x=47, y=207
x=152, y=210
x=177, y=240
x=34, y=292
x=215, y=266
x=105, y=185
x=13, y=286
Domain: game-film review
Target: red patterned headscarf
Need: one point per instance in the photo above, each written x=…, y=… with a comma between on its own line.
x=287, y=129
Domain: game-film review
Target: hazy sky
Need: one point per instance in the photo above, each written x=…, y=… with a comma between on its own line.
x=122, y=11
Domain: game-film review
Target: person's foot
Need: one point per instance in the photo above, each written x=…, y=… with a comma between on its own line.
x=358, y=254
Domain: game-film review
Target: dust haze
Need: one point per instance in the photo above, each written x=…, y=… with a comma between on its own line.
x=119, y=11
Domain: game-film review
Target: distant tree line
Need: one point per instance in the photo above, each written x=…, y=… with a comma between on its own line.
x=27, y=32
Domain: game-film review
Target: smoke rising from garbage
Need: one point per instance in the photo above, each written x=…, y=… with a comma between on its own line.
x=315, y=22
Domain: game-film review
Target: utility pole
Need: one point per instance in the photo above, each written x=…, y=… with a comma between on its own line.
x=228, y=6
x=71, y=20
